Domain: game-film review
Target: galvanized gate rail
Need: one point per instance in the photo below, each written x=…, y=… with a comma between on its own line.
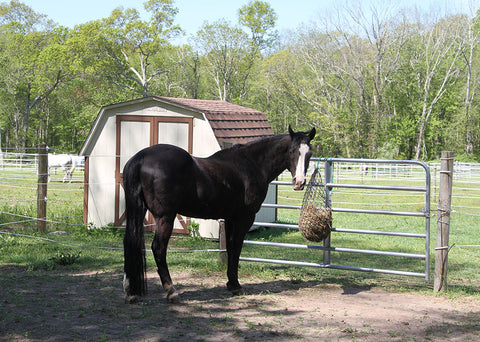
x=327, y=248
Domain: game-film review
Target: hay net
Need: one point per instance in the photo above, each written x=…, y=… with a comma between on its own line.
x=315, y=221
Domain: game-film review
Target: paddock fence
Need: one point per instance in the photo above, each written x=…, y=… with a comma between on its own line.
x=366, y=175
x=18, y=194
x=360, y=191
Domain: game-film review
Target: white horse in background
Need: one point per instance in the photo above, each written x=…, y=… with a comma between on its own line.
x=66, y=162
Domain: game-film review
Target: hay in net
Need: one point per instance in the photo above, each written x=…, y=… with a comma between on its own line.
x=315, y=221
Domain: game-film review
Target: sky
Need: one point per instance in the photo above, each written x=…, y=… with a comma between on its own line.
x=193, y=13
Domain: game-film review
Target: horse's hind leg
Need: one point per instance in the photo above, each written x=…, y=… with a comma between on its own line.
x=159, y=247
x=70, y=172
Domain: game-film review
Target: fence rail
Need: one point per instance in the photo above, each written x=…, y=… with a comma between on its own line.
x=329, y=185
x=348, y=178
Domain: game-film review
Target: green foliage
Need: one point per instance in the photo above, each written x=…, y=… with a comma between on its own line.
x=260, y=18
x=394, y=86
x=36, y=62
x=64, y=258
x=120, y=48
x=193, y=228
x=227, y=59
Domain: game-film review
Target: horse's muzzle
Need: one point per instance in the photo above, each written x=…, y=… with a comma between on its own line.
x=298, y=185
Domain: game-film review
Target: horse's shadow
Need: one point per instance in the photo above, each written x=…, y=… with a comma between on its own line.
x=351, y=290
x=195, y=293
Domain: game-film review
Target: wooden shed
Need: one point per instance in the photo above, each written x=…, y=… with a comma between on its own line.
x=201, y=127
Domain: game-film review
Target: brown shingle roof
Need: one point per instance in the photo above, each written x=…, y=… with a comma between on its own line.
x=231, y=123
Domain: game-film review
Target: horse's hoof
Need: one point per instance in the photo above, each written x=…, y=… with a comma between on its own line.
x=173, y=298
x=132, y=299
x=237, y=291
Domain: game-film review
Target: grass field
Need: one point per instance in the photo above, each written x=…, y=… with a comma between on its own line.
x=76, y=250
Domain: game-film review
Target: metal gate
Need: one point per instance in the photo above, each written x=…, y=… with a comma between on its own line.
x=327, y=247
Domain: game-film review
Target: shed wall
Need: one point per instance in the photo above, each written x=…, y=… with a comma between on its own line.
x=101, y=176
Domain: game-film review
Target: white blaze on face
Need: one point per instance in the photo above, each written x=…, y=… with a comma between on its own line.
x=299, y=178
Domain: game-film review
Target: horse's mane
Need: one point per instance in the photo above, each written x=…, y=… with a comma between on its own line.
x=251, y=144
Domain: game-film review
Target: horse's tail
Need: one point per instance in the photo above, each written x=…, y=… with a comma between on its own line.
x=134, y=240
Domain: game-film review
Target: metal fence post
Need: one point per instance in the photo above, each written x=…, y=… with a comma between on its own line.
x=443, y=223
x=328, y=204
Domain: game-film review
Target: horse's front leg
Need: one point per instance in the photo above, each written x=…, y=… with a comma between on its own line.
x=235, y=231
x=164, y=227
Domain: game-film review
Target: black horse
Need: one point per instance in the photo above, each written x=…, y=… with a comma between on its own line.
x=230, y=184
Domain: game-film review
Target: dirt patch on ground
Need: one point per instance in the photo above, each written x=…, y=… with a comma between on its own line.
x=58, y=306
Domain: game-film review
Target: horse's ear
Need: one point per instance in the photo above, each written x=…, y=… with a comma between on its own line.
x=312, y=133
x=290, y=131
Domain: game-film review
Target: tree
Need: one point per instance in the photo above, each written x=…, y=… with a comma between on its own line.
x=223, y=49
x=335, y=84
x=121, y=47
x=469, y=120
x=385, y=29
x=33, y=63
x=279, y=90
x=352, y=57
x=188, y=64
x=229, y=56
x=260, y=18
x=441, y=69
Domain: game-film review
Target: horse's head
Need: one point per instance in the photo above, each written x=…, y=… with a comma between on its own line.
x=299, y=154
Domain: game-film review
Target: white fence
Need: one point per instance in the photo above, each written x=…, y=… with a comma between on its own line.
x=464, y=174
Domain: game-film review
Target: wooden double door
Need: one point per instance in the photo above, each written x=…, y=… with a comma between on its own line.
x=137, y=132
